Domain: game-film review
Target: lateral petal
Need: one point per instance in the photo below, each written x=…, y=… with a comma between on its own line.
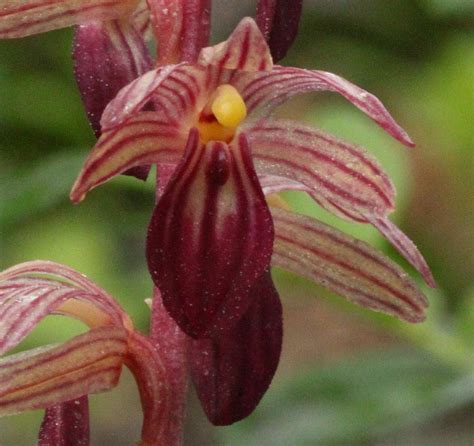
x=346, y=266
x=210, y=237
x=66, y=424
x=245, y=50
x=279, y=21
x=174, y=90
x=332, y=170
x=44, y=377
x=262, y=92
x=144, y=139
x=233, y=370
x=20, y=18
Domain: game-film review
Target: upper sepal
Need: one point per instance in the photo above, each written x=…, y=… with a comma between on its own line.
x=233, y=370
x=245, y=49
x=210, y=237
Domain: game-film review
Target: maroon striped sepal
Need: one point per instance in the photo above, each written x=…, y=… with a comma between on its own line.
x=210, y=237
x=232, y=371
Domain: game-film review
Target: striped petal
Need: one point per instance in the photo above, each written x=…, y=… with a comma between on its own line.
x=181, y=28
x=232, y=371
x=25, y=301
x=346, y=266
x=20, y=18
x=107, y=56
x=144, y=139
x=262, y=92
x=210, y=237
x=174, y=90
x=279, y=21
x=332, y=170
x=66, y=424
x=341, y=177
x=44, y=377
x=245, y=49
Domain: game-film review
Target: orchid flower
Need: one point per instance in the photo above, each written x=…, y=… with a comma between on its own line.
x=59, y=377
x=213, y=237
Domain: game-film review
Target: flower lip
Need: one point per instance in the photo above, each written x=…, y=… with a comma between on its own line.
x=223, y=113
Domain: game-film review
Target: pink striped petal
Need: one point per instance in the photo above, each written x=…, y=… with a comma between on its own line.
x=262, y=92
x=279, y=21
x=245, y=49
x=210, y=237
x=346, y=266
x=174, y=90
x=233, y=370
x=107, y=56
x=20, y=18
x=145, y=139
x=23, y=307
x=66, y=424
x=44, y=377
x=333, y=171
x=25, y=301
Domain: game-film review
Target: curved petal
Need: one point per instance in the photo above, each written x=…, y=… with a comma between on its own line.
x=262, y=92
x=279, y=21
x=174, y=90
x=210, y=237
x=233, y=370
x=245, y=50
x=43, y=377
x=346, y=266
x=341, y=177
x=333, y=171
x=66, y=424
x=144, y=139
x=20, y=18
x=25, y=301
x=107, y=56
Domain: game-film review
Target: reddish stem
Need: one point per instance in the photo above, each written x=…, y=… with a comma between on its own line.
x=172, y=345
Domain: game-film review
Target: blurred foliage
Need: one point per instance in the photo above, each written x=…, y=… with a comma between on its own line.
x=418, y=57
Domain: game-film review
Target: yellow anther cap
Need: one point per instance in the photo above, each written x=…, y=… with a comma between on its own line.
x=228, y=106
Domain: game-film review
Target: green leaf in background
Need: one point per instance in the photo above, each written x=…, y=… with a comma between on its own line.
x=354, y=402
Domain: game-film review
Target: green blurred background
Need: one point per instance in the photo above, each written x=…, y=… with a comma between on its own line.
x=347, y=376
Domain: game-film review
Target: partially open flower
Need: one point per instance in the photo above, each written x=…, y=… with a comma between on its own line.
x=213, y=238
x=59, y=377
